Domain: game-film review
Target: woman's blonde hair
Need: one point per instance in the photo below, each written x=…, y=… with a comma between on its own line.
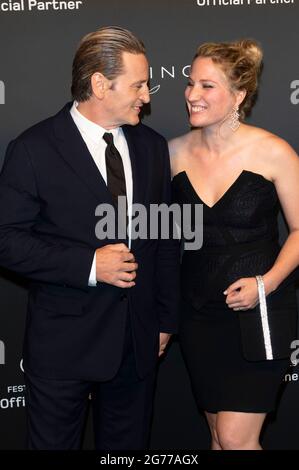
x=241, y=61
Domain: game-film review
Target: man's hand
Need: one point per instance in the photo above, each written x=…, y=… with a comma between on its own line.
x=164, y=338
x=115, y=265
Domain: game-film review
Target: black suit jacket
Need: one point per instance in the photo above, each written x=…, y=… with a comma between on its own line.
x=49, y=190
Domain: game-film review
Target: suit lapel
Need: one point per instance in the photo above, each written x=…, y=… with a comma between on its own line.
x=137, y=149
x=74, y=151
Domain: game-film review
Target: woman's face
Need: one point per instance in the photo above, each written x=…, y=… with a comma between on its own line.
x=208, y=95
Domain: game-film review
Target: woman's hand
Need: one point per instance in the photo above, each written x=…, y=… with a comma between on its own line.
x=242, y=294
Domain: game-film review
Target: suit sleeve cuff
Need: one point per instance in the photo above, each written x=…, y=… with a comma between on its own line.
x=92, y=282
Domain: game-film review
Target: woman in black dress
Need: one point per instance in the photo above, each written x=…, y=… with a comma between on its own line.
x=236, y=348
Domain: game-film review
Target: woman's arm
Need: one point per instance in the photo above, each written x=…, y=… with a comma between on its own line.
x=285, y=170
x=282, y=164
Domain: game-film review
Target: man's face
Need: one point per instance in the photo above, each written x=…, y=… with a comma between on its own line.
x=128, y=92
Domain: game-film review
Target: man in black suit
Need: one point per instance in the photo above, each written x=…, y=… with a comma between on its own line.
x=100, y=311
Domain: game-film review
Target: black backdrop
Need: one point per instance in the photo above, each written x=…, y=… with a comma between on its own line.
x=37, y=43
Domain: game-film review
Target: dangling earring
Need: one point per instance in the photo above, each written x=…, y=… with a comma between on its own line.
x=233, y=119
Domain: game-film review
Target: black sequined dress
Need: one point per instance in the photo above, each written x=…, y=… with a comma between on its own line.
x=240, y=239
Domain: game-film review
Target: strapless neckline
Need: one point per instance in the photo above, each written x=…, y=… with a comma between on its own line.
x=233, y=185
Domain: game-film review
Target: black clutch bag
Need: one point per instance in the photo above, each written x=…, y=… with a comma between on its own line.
x=268, y=330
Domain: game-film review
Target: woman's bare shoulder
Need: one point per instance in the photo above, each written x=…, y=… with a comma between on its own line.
x=270, y=145
x=177, y=144
x=262, y=137
x=270, y=154
x=177, y=150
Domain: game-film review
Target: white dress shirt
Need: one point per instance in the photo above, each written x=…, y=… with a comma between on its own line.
x=92, y=134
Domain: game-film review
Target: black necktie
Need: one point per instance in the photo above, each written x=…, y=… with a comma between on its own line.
x=116, y=181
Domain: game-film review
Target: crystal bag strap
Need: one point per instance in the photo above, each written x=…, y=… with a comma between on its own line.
x=264, y=317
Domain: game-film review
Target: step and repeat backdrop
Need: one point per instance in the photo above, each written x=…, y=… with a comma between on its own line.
x=37, y=43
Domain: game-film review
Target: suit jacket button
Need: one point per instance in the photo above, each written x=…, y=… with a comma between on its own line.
x=123, y=297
